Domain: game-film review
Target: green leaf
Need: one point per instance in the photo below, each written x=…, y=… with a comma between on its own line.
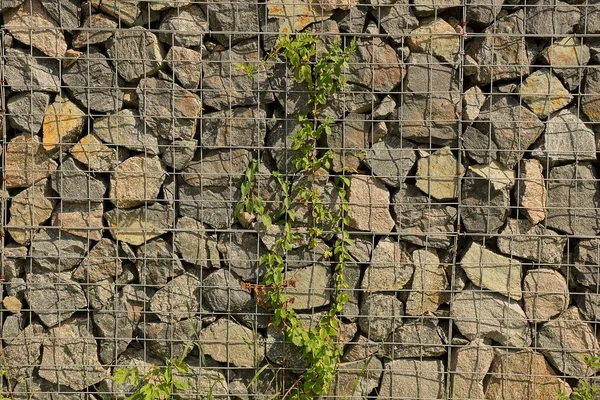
x=181, y=366
x=120, y=375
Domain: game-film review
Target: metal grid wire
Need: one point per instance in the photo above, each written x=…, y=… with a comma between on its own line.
x=469, y=130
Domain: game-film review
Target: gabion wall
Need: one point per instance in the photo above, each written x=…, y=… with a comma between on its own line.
x=468, y=133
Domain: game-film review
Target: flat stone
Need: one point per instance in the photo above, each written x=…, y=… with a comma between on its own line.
x=26, y=110
x=279, y=141
x=31, y=24
x=179, y=153
x=380, y=315
x=136, y=181
x=391, y=159
x=483, y=314
x=92, y=82
x=241, y=349
x=222, y=293
x=100, y=28
x=500, y=57
x=384, y=76
x=369, y=205
x=80, y=219
x=396, y=18
x=469, y=365
x=512, y=127
x=420, y=221
x=483, y=12
x=102, y=262
x=520, y=238
x=424, y=8
x=492, y=271
x=26, y=162
x=590, y=101
x=183, y=26
x=30, y=209
x=186, y=64
x=415, y=339
x=531, y=193
x=566, y=340
x=238, y=127
x=169, y=111
x=73, y=184
x=479, y=146
x=437, y=38
x=22, y=353
x=573, y=199
x=438, y=174
x=169, y=339
x=473, y=100
x=178, y=299
x=138, y=225
x=240, y=20
x=545, y=294
x=55, y=251
x=25, y=71
x=384, y=109
x=588, y=303
x=390, y=269
x=241, y=252
x=211, y=205
x=218, y=168
x=356, y=380
x=585, y=269
x=125, y=11
x=429, y=284
x=12, y=304
x=416, y=379
x=567, y=57
x=136, y=52
x=351, y=98
x=94, y=154
x=54, y=297
x=66, y=13
x=14, y=260
x=295, y=17
x=63, y=123
x=126, y=129
x=157, y=262
x=70, y=356
x=311, y=288
x=544, y=93
x=348, y=141
x=551, y=18
x=189, y=240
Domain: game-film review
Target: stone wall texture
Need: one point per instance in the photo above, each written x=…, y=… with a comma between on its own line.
x=469, y=133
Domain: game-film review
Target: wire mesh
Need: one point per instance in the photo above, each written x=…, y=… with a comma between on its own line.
x=467, y=130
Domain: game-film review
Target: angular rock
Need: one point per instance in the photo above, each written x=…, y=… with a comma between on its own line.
x=473, y=99
x=183, y=26
x=170, y=339
x=138, y=225
x=238, y=127
x=11, y=4
x=189, y=240
x=211, y=205
x=136, y=53
x=396, y=18
x=430, y=7
x=348, y=141
x=186, y=64
x=63, y=123
x=543, y=93
x=469, y=366
x=572, y=199
x=126, y=129
x=411, y=378
x=178, y=299
x=26, y=110
x=384, y=108
x=566, y=340
x=483, y=314
x=235, y=18
x=438, y=174
x=292, y=17
x=380, y=315
x=25, y=71
x=80, y=219
x=390, y=269
x=136, y=181
x=100, y=28
x=551, y=18
x=391, y=159
x=156, y=263
x=590, y=99
x=26, y=162
x=415, y=339
x=222, y=293
x=585, y=268
x=125, y=11
x=179, y=153
x=22, y=353
x=241, y=348
x=55, y=251
x=356, y=380
x=545, y=294
x=567, y=57
x=102, y=262
x=29, y=209
x=92, y=82
x=437, y=38
x=351, y=98
x=66, y=13
x=588, y=303
x=279, y=143
x=241, y=252
x=384, y=76
x=218, y=168
x=429, y=284
x=91, y=152
x=479, y=146
x=520, y=238
x=75, y=185
x=483, y=12
x=369, y=205
x=531, y=192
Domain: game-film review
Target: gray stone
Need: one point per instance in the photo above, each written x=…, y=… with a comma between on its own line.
x=102, y=262
x=156, y=263
x=413, y=379
x=396, y=18
x=384, y=109
x=291, y=94
x=80, y=219
x=241, y=252
x=421, y=221
x=311, y=287
x=92, y=82
x=531, y=194
x=590, y=99
x=222, y=293
x=348, y=141
x=438, y=174
x=356, y=380
x=369, y=202
x=360, y=348
x=28, y=209
x=545, y=294
x=469, y=365
x=388, y=72
x=520, y=238
x=279, y=143
x=429, y=287
x=65, y=12
x=25, y=71
x=573, y=199
x=566, y=340
x=136, y=181
x=391, y=159
x=178, y=299
x=138, y=225
x=353, y=20
x=126, y=129
x=380, y=315
x=436, y=37
x=101, y=294
x=479, y=146
x=11, y=4
x=351, y=99
x=301, y=256
x=424, y=8
x=550, y=18
x=75, y=185
x=54, y=297
x=415, y=339
x=567, y=57
x=238, y=127
x=210, y=205
x=238, y=20
x=390, y=269
x=14, y=260
x=202, y=382
x=218, y=168
x=55, y=251
x=22, y=353
x=183, y=26
x=26, y=110
x=125, y=11
x=186, y=64
x=136, y=53
x=101, y=28
x=189, y=239
x=26, y=162
x=38, y=388
x=543, y=93
x=587, y=257
x=483, y=314
x=169, y=111
x=242, y=348
x=179, y=153
x=483, y=12
x=170, y=339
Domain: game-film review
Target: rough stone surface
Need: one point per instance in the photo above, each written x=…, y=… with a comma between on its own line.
x=136, y=53
x=190, y=241
x=177, y=300
x=184, y=26
x=156, y=263
x=543, y=93
x=545, y=294
x=355, y=380
x=79, y=219
x=391, y=159
x=586, y=260
x=30, y=208
x=311, y=287
x=590, y=102
x=126, y=11
x=26, y=162
x=26, y=111
x=369, y=205
x=22, y=353
x=135, y=226
x=75, y=185
x=242, y=349
x=390, y=269
x=222, y=293
x=551, y=18
x=380, y=315
x=415, y=339
x=469, y=367
x=437, y=38
x=241, y=252
x=136, y=181
x=218, y=168
x=531, y=191
x=211, y=205
x=429, y=284
x=125, y=128
x=102, y=262
x=101, y=28
x=55, y=251
x=520, y=238
x=473, y=99
x=236, y=17
x=63, y=123
x=437, y=175
x=238, y=127
x=567, y=56
x=386, y=75
x=186, y=64
x=410, y=378
x=478, y=146
x=28, y=70
x=95, y=155
x=347, y=139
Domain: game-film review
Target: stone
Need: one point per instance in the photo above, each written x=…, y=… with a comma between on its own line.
x=531, y=194
x=586, y=261
x=66, y=13
x=218, y=168
x=14, y=260
x=479, y=146
x=545, y=294
x=429, y=284
x=54, y=297
x=136, y=181
x=178, y=299
x=520, y=238
x=12, y=304
x=369, y=205
x=279, y=141
x=63, y=123
x=11, y=4
x=102, y=262
x=125, y=11
x=468, y=367
x=92, y=82
x=25, y=71
x=360, y=348
x=225, y=87
x=311, y=287
x=473, y=100
x=70, y=356
x=438, y=174
x=30, y=209
x=183, y=26
x=222, y=293
x=380, y=315
x=567, y=57
x=210, y=205
x=410, y=378
x=544, y=93
x=390, y=269
x=424, y=8
x=293, y=17
x=125, y=128
x=241, y=252
x=385, y=108
x=136, y=53
x=391, y=159
x=239, y=127
x=169, y=111
x=240, y=20
x=156, y=263
x=492, y=271
x=572, y=199
x=55, y=251
x=396, y=18
x=384, y=76
x=186, y=64
x=22, y=353
x=202, y=382
x=510, y=125
x=436, y=37
x=100, y=29
x=179, y=153
x=566, y=340
x=352, y=98
x=26, y=110
x=136, y=226
x=26, y=162
x=94, y=154
x=170, y=339
x=501, y=53
x=348, y=141
x=483, y=314
x=189, y=240
x=356, y=380
x=588, y=304
x=241, y=348
x=548, y=18
x=75, y=185
x=71, y=55
x=590, y=99
x=483, y=12
x=415, y=339
x=80, y=219
x=31, y=24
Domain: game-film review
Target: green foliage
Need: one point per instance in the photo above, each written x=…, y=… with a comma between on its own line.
x=586, y=390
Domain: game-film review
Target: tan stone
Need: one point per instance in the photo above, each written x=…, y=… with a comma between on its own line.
x=438, y=174
x=138, y=225
x=566, y=56
x=469, y=365
x=95, y=154
x=26, y=162
x=136, y=181
x=296, y=15
x=429, y=284
x=241, y=349
x=532, y=193
x=391, y=267
x=80, y=219
x=383, y=75
x=436, y=37
x=311, y=287
x=126, y=11
x=12, y=304
x=545, y=294
x=369, y=202
x=29, y=209
x=63, y=123
x=544, y=93
x=473, y=99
